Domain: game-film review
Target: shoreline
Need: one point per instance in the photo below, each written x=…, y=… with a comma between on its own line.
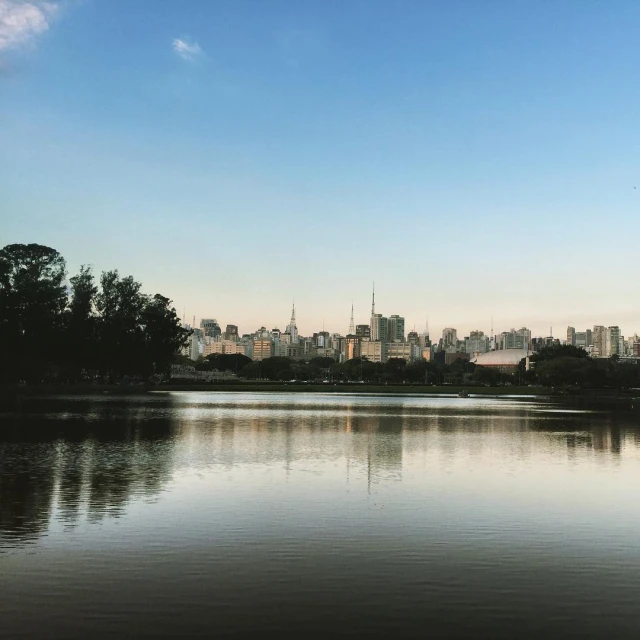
x=596, y=399
x=270, y=387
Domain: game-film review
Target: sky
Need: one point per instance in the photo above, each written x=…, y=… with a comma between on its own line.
x=478, y=160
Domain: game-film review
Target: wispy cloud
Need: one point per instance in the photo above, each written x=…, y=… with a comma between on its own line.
x=187, y=50
x=21, y=22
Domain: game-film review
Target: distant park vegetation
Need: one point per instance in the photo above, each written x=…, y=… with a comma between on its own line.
x=557, y=366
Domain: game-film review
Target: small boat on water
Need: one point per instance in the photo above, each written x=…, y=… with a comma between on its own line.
x=463, y=394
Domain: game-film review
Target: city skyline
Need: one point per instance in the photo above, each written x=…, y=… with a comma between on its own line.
x=385, y=338
x=557, y=331
x=235, y=156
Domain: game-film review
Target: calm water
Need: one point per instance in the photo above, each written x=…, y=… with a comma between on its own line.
x=217, y=515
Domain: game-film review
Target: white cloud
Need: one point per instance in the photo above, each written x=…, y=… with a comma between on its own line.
x=21, y=22
x=186, y=50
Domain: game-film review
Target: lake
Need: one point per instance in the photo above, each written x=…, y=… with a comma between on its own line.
x=231, y=514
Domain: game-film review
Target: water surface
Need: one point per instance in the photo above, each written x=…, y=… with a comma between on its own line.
x=220, y=514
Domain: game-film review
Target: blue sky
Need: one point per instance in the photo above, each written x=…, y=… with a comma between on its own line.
x=475, y=159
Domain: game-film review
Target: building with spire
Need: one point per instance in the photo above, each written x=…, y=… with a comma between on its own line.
x=292, y=329
x=378, y=326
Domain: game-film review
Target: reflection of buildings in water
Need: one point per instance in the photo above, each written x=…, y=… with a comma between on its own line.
x=607, y=437
x=89, y=461
x=609, y=433
x=375, y=440
x=289, y=433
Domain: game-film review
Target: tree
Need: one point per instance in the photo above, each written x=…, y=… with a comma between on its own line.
x=554, y=351
x=49, y=330
x=33, y=299
x=557, y=372
x=163, y=335
x=234, y=362
x=81, y=328
x=120, y=306
x=273, y=368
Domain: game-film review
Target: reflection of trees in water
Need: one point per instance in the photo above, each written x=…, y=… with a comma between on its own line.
x=26, y=489
x=606, y=432
x=78, y=456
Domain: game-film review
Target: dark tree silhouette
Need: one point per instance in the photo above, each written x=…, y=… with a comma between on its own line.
x=51, y=332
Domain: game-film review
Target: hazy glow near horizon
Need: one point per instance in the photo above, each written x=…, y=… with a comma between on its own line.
x=475, y=160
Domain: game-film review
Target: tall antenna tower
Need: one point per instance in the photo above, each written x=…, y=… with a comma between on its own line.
x=373, y=301
x=352, y=324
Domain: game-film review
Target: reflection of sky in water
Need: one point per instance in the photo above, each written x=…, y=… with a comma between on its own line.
x=71, y=460
x=489, y=506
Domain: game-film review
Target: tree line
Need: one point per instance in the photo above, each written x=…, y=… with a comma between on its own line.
x=572, y=367
x=318, y=369
x=557, y=366
x=58, y=330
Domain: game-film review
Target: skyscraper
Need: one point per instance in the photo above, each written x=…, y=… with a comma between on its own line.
x=363, y=331
x=210, y=327
x=378, y=325
x=600, y=341
x=395, y=329
x=571, y=336
x=449, y=338
x=379, y=328
x=612, y=341
x=520, y=339
x=292, y=329
x=231, y=332
x=477, y=342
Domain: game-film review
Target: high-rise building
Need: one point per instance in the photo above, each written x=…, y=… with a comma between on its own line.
x=612, y=342
x=322, y=339
x=373, y=350
x=223, y=346
x=210, y=327
x=600, y=341
x=402, y=350
x=395, y=329
x=352, y=347
x=424, y=340
x=379, y=327
x=520, y=339
x=292, y=329
x=571, y=336
x=231, y=332
x=363, y=331
x=449, y=338
x=194, y=351
x=262, y=348
x=477, y=342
